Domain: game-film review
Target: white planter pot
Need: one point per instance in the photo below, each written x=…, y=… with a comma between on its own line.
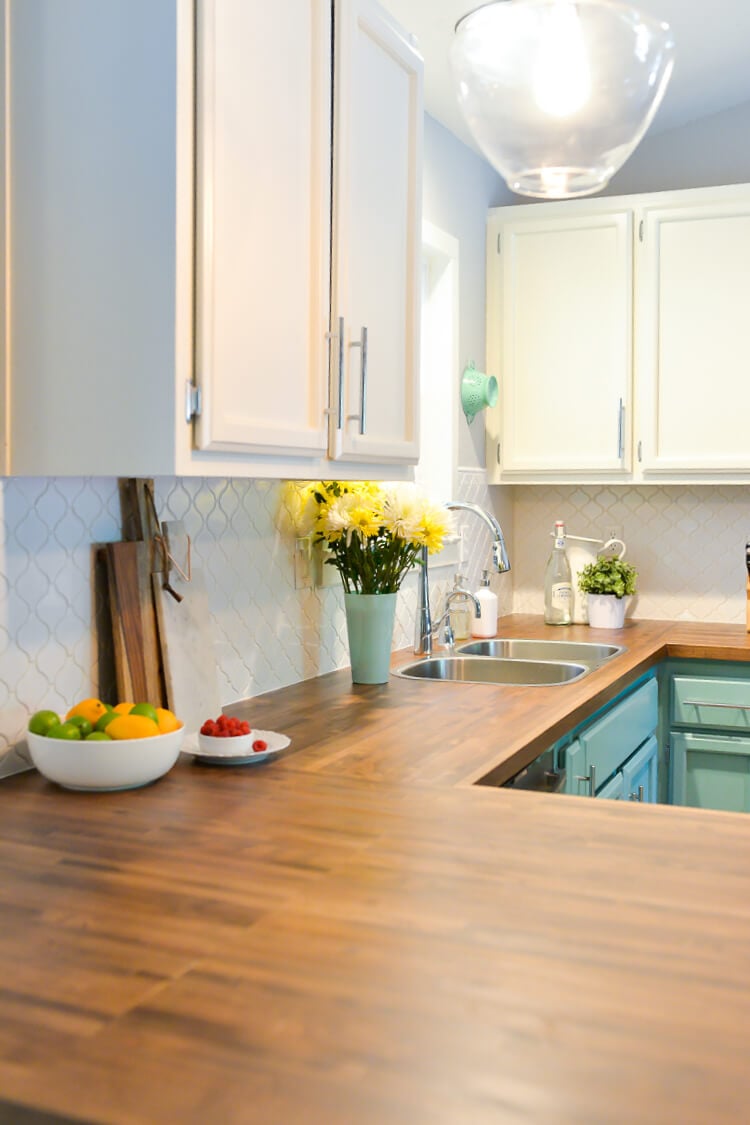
x=606, y=611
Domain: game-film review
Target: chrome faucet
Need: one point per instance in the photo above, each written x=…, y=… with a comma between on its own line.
x=424, y=631
x=448, y=638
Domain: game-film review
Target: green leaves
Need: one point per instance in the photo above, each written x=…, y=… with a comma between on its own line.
x=608, y=575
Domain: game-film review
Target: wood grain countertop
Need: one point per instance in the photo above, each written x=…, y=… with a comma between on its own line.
x=354, y=933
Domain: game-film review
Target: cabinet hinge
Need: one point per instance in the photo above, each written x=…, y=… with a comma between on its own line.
x=640, y=231
x=667, y=753
x=193, y=401
x=499, y=250
x=498, y=453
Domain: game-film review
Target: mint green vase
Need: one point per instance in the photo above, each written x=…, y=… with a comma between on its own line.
x=369, y=625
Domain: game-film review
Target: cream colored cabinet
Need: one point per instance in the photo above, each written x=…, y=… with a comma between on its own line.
x=694, y=337
x=559, y=341
x=169, y=165
x=618, y=331
x=376, y=239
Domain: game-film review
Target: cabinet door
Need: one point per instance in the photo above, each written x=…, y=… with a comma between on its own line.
x=694, y=333
x=562, y=352
x=376, y=238
x=641, y=770
x=614, y=790
x=576, y=770
x=262, y=224
x=711, y=772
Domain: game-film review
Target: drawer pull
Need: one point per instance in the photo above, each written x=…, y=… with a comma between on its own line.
x=591, y=778
x=728, y=706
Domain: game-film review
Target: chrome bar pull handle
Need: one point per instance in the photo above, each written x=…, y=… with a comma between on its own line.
x=340, y=407
x=621, y=431
x=363, y=381
x=591, y=778
x=361, y=343
x=726, y=706
x=639, y=796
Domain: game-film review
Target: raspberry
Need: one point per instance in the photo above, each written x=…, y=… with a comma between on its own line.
x=259, y=745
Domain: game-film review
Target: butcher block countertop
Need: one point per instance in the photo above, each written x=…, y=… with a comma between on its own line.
x=355, y=932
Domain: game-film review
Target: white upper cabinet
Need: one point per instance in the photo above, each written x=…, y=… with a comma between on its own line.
x=694, y=337
x=376, y=238
x=263, y=225
x=619, y=333
x=171, y=167
x=560, y=299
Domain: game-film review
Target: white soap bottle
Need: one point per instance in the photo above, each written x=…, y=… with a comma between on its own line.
x=486, y=624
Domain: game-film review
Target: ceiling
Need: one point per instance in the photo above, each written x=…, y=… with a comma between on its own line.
x=712, y=53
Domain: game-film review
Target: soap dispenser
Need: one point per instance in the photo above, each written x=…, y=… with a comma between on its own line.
x=486, y=624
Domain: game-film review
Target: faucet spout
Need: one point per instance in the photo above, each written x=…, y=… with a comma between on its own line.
x=500, y=559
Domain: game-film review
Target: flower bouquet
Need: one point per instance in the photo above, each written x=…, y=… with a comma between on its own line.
x=373, y=534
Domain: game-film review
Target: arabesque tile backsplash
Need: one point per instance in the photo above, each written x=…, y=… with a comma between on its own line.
x=688, y=544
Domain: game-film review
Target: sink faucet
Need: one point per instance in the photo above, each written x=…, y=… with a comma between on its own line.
x=448, y=638
x=424, y=631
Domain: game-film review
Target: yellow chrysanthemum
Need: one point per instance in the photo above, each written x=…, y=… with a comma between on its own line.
x=366, y=521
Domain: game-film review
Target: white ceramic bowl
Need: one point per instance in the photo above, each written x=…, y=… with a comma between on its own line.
x=125, y=763
x=225, y=747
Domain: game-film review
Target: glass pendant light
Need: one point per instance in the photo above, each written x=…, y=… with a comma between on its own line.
x=558, y=93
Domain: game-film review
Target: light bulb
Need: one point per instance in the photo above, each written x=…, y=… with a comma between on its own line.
x=562, y=76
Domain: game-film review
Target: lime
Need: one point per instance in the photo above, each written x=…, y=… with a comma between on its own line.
x=68, y=731
x=146, y=709
x=83, y=725
x=105, y=720
x=98, y=736
x=41, y=721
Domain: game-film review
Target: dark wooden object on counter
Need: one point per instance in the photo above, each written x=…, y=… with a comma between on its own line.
x=332, y=938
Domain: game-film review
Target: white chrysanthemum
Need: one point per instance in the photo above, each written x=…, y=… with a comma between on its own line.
x=403, y=511
x=337, y=520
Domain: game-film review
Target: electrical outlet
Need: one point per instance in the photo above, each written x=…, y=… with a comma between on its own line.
x=325, y=575
x=614, y=531
x=303, y=569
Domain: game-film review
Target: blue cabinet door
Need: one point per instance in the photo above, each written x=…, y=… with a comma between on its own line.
x=575, y=767
x=711, y=772
x=641, y=770
x=614, y=790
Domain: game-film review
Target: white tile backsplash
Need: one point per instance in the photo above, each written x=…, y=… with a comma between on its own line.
x=268, y=633
x=687, y=542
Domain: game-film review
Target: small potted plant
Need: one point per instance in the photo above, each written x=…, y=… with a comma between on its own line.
x=608, y=582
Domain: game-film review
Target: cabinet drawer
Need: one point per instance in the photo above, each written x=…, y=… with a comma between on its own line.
x=613, y=738
x=701, y=702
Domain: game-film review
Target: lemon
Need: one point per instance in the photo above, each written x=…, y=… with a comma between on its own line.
x=91, y=709
x=167, y=720
x=41, y=721
x=123, y=708
x=146, y=709
x=132, y=726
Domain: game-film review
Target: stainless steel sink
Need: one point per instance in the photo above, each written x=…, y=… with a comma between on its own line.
x=492, y=670
x=580, y=652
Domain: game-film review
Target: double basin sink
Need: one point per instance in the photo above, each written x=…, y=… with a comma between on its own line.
x=518, y=661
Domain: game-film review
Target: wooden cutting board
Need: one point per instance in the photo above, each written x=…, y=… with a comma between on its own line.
x=136, y=647
x=187, y=637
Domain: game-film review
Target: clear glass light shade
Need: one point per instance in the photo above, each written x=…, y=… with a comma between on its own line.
x=558, y=93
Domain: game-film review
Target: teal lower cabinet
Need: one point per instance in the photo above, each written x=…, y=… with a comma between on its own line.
x=615, y=756
x=711, y=771
x=708, y=734
x=639, y=773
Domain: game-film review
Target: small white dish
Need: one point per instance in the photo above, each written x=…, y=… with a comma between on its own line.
x=235, y=751
x=100, y=767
